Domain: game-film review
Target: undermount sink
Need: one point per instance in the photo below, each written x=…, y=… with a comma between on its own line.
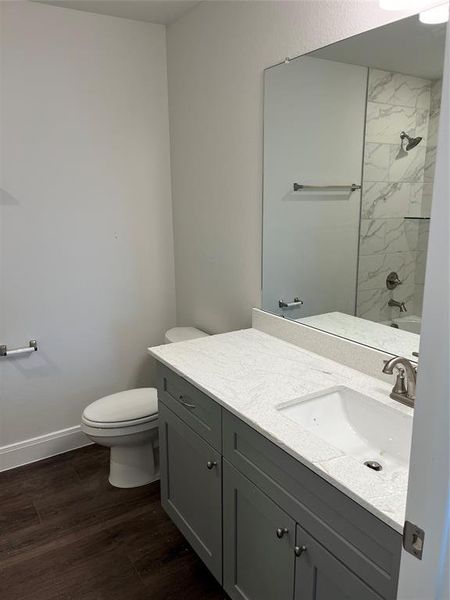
x=357, y=424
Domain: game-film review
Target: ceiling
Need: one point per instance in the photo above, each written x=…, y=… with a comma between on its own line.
x=152, y=11
x=407, y=46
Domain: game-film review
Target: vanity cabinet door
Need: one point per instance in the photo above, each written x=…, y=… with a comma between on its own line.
x=191, y=487
x=321, y=576
x=258, y=546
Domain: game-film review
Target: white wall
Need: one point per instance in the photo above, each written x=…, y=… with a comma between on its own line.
x=313, y=108
x=86, y=223
x=216, y=56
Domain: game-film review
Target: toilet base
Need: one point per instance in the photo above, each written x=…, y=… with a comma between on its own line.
x=133, y=466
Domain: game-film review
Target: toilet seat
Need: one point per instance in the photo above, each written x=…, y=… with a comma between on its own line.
x=115, y=424
x=118, y=431
x=124, y=409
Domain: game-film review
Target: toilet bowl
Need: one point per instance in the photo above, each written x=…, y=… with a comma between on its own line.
x=127, y=422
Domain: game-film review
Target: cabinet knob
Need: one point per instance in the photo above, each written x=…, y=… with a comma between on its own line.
x=211, y=464
x=298, y=550
x=281, y=531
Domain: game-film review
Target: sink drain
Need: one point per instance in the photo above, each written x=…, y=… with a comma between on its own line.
x=374, y=465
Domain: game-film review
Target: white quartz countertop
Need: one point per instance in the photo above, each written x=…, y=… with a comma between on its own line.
x=250, y=373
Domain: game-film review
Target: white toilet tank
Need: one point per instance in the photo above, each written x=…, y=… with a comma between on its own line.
x=182, y=334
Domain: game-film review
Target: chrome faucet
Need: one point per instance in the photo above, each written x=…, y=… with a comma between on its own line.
x=400, y=305
x=404, y=390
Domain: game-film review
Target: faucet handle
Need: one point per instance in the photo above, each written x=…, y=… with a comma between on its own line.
x=393, y=281
x=400, y=383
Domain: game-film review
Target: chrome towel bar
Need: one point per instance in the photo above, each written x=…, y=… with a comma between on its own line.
x=32, y=347
x=352, y=187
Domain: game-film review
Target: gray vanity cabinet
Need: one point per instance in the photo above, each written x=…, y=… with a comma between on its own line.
x=267, y=526
x=258, y=542
x=321, y=576
x=191, y=487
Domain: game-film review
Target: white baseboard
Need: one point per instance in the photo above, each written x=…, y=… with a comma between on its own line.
x=44, y=446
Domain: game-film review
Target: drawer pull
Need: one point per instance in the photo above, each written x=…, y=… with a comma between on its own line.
x=281, y=531
x=184, y=403
x=211, y=464
x=298, y=550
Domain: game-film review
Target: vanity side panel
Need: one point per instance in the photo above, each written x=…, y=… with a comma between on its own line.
x=366, y=545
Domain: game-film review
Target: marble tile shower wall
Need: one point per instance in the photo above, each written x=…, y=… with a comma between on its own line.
x=430, y=163
x=396, y=184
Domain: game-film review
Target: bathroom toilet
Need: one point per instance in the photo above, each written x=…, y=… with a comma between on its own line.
x=127, y=422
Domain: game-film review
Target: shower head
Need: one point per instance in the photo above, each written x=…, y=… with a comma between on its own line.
x=412, y=142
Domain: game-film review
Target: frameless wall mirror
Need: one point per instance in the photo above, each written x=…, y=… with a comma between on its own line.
x=350, y=134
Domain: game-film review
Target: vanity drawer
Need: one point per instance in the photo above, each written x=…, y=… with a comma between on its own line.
x=366, y=545
x=196, y=409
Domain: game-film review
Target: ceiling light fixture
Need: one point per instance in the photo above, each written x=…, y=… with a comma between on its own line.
x=433, y=16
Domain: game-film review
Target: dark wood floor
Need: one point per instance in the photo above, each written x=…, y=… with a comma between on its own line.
x=66, y=534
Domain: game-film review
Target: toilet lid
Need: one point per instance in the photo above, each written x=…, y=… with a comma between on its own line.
x=123, y=406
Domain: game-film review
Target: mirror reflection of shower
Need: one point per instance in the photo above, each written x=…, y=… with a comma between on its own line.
x=356, y=260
